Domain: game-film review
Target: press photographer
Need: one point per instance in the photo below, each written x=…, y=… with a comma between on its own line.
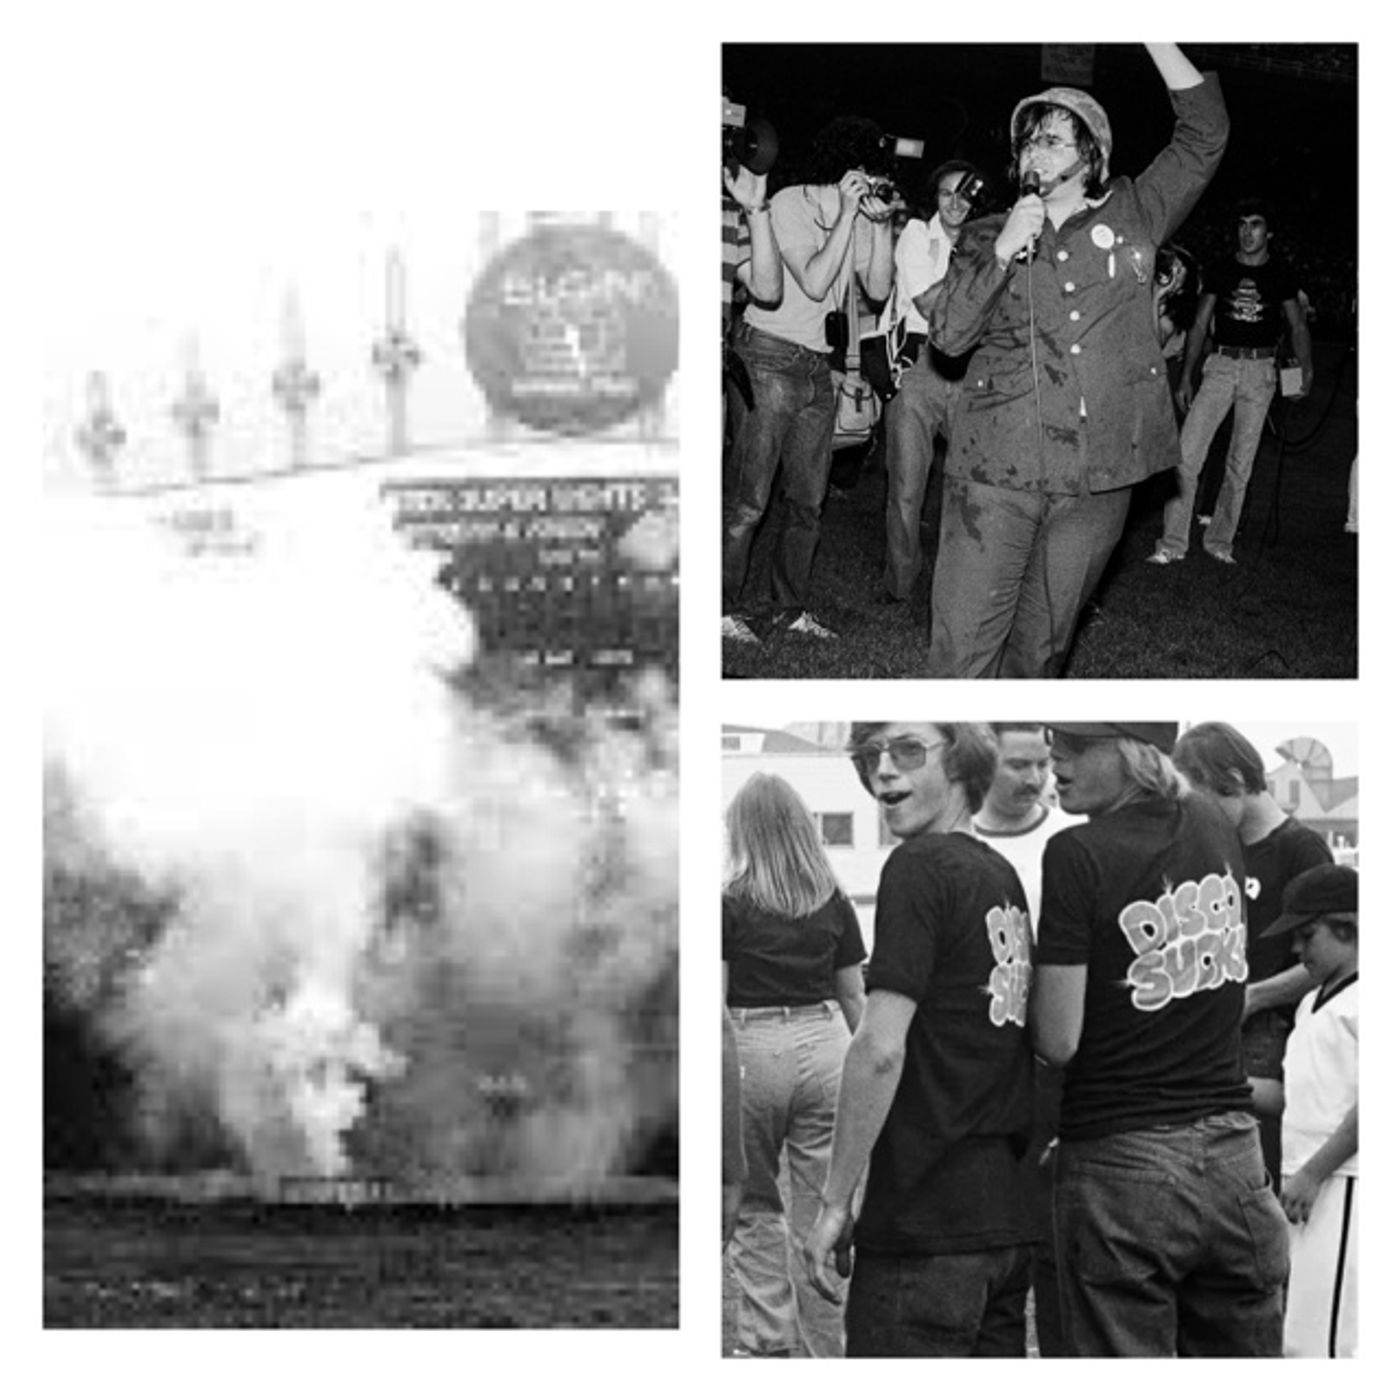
x=833, y=231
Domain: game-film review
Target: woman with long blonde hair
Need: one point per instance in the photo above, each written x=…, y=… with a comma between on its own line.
x=793, y=955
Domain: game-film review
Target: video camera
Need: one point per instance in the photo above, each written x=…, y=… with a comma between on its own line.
x=752, y=144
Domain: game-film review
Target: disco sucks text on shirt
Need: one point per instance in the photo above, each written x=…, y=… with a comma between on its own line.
x=1189, y=939
x=1009, y=934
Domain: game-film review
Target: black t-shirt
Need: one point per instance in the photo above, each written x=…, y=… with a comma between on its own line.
x=952, y=934
x=1249, y=301
x=1270, y=864
x=1150, y=899
x=777, y=961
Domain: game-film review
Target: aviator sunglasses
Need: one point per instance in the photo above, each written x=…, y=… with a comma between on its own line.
x=907, y=755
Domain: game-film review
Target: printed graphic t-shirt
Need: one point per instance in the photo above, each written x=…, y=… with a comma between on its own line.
x=1249, y=301
x=952, y=934
x=1150, y=899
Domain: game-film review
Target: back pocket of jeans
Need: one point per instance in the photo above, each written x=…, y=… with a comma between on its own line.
x=1268, y=1229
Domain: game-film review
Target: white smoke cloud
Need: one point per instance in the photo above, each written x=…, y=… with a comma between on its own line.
x=309, y=893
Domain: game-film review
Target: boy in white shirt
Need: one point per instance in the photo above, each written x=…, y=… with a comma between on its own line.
x=1321, y=1193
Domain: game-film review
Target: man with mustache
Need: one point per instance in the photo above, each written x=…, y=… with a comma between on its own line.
x=1016, y=820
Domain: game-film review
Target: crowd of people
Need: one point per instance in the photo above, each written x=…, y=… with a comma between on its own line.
x=1093, y=1089
x=1054, y=348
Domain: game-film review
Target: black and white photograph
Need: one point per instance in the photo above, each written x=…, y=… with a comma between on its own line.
x=1040, y=360
x=382, y=754
x=360, y=820
x=359, y=675
x=1041, y=1039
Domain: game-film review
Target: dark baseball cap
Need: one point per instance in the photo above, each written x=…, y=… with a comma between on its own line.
x=1160, y=736
x=1323, y=890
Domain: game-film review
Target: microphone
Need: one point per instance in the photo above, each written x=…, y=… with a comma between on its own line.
x=1030, y=184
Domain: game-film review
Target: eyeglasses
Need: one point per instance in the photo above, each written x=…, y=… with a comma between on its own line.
x=907, y=755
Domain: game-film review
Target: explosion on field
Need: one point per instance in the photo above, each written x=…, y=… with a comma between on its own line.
x=320, y=898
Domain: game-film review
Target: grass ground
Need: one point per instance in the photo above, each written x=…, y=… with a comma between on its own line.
x=1287, y=609
x=168, y=1264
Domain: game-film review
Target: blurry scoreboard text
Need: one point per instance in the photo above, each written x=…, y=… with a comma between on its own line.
x=573, y=572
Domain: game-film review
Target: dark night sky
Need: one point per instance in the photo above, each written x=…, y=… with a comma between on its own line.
x=1293, y=111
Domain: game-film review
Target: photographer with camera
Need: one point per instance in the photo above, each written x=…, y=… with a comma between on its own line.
x=833, y=227
x=750, y=252
x=1065, y=404
x=928, y=389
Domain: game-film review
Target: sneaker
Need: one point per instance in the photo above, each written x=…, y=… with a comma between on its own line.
x=1163, y=555
x=1221, y=553
x=810, y=627
x=734, y=629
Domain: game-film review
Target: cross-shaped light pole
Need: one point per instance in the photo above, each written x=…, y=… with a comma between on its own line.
x=396, y=356
x=100, y=436
x=294, y=385
x=195, y=412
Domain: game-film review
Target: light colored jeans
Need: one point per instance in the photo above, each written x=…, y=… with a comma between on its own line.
x=790, y=425
x=1247, y=386
x=791, y=1062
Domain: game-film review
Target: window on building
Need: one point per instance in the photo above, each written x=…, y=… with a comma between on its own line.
x=730, y=741
x=837, y=828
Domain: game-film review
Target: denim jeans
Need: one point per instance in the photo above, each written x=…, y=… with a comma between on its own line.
x=1014, y=571
x=1170, y=1243
x=790, y=1062
x=791, y=422
x=1247, y=386
x=921, y=410
x=939, y=1304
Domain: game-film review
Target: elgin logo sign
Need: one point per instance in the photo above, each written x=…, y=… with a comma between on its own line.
x=573, y=329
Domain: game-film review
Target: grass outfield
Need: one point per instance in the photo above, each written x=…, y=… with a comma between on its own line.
x=163, y=1263
x=1287, y=609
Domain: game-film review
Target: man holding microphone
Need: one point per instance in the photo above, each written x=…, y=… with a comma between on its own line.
x=1065, y=404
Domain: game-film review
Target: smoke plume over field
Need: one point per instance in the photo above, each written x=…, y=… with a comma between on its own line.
x=327, y=913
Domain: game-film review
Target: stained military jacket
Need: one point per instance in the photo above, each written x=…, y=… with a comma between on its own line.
x=1091, y=409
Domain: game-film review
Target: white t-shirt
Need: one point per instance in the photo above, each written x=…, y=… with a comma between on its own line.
x=803, y=218
x=1024, y=850
x=1319, y=1075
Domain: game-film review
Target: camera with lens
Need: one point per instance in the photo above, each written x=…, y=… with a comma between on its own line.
x=752, y=144
x=881, y=188
x=973, y=188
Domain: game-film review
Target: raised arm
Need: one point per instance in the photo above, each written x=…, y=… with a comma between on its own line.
x=762, y=274
x=1176, y=69
x=816, y=270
